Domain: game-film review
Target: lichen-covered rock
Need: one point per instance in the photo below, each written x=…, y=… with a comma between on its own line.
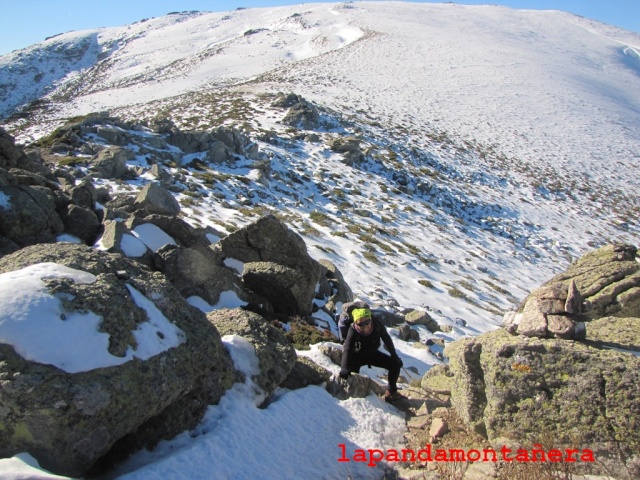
x=68, y=418
x=608, y=280
x=605, y=282
x=438, y=379
x=421, y=317
x=275, y=354
x=615, y=332
x=521, y=389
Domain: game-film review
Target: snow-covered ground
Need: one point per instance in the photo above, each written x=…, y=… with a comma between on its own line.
x=493, y=107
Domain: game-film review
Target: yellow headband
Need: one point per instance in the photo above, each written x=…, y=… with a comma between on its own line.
x=360, y=314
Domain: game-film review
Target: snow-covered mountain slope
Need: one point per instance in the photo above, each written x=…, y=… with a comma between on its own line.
x=499, y=144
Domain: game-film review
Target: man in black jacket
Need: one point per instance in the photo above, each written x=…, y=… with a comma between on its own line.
x=361, y=348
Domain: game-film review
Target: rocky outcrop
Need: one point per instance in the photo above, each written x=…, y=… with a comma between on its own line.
x=195, y=274
x=29, y=214
x=350, y=149
x=275, y=354
x=289, y=290
x=111, y=162
x=516, y=386
x=605, y=282
x=615, y=332
x=301, y=113
x=36, y=206
x=266, y=247
x=522, y=389
x=69, y=419
x=552, y=311
x=608, y=280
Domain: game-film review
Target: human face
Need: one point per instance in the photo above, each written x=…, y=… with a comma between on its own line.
x=365, y=325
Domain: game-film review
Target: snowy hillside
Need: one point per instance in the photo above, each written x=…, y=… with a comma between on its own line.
x=531, y=114
x=497, y=145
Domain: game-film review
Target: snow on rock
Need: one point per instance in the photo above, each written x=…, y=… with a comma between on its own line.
x=34, y=322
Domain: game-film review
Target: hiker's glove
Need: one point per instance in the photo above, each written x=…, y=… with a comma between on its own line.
x=397, y=361
x=344, y=373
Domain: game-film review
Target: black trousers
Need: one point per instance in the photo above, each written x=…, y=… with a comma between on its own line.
x=379, y=359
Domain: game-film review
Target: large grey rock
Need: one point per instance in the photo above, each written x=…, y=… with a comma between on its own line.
x=67, y=421
x=155, y=199
x=112, y=236
x=275, y=354
x=305, y=372
x=355, y=386
x=111, y=162
x=266, y=240
x=84, y=194
x=181, y=231
x=195, y=274
x=270, y=240
x=421, y=317
x=521, y=389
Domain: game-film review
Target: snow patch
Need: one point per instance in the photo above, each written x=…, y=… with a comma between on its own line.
x=132, y=246
x=153, y=236
x=35, y=323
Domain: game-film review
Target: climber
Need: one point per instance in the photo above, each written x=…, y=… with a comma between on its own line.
x=361, y=348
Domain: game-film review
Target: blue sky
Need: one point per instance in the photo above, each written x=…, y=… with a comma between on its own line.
x=25, y=22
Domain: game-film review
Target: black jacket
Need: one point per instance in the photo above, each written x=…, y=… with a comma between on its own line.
x=364, y=347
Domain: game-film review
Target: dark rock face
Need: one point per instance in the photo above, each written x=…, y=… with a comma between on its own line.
x=290, y=290
x=29, y=215
x=267, y=247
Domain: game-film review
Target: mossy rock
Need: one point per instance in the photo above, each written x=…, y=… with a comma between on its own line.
x=302, y=335
x=615, y=332
x=438, y=379
x=516, y=388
